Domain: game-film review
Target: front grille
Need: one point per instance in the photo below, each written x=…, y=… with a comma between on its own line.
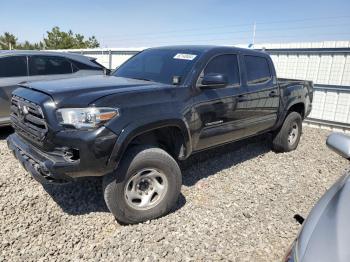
x=28, y=118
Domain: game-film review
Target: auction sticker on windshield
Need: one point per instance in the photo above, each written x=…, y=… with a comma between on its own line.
x=185, y=56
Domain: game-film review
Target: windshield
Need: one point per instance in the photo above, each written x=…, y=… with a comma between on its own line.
x=159, y=65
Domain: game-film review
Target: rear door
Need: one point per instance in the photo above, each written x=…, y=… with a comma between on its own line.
x=219, y=112
x=13, y=70
x=263, y=92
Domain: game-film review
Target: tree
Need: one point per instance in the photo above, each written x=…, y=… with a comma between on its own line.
x=8, y=41
x=29, y=46
x=93, y=43
x=57, y=39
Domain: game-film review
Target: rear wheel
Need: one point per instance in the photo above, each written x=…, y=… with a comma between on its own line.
x=288, y=136
x=145, y=186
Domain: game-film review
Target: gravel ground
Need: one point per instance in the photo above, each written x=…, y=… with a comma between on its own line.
x=237, y=203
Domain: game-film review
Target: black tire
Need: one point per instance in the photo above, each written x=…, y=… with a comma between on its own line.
x=281, y=140
x=135, y=160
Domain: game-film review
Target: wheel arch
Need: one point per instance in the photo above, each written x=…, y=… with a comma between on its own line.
x=293, y=105
x=297, y=106
x=141, y=132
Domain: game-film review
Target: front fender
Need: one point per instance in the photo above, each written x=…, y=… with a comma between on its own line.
x=136, y=128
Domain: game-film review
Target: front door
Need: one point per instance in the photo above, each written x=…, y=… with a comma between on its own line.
x=219, y=112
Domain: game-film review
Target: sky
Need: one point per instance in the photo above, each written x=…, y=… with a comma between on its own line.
x=132, y=23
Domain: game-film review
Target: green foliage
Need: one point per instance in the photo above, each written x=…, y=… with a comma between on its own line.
x=8, y=41
x=55, y=39
x=29, y=46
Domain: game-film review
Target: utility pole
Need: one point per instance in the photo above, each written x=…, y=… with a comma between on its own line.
x=254, y=30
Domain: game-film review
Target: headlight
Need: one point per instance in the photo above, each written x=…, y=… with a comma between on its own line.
x=85, y=118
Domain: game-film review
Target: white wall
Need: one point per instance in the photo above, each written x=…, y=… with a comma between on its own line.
x=333, y=69
x=331, y=105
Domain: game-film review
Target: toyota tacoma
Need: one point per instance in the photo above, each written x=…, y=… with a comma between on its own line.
x=162, y=105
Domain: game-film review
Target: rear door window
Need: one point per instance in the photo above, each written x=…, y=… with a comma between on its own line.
x=226, y=65
x=14, y=66
x=81, y=66
x=258, y=69
x=49, y=65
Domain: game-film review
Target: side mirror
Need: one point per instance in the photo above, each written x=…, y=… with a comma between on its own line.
x=339, y=143
x=214, y=80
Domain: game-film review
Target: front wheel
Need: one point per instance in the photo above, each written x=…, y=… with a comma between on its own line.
x=287, y=137
x=145, y=186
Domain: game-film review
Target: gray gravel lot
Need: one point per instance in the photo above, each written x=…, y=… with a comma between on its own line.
x=237, y=203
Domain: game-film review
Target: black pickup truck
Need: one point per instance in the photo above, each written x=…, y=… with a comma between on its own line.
x=160, y=106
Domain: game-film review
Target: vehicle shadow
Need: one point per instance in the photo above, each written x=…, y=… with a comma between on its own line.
x=5, y=132
x=80, y=197
x=85, y=195
x=207, y=163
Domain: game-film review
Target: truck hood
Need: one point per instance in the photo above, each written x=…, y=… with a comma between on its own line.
x=326, y=232
x=85, y=90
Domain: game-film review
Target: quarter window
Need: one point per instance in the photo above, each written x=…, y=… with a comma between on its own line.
x=49, y=65
x=226, y=65
x=14, y=66
x=80, y=66
x=257, y=68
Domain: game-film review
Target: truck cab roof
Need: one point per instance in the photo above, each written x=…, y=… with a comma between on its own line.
x=212, y=48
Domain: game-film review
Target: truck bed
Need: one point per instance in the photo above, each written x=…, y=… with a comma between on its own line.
x=293, y=81
x=286, y=82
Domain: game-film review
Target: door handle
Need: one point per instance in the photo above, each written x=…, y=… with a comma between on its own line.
x=273, y=94
x=242, y=98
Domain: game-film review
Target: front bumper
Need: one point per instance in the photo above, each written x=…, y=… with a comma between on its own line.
x=40, y=166
x=53, y=166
